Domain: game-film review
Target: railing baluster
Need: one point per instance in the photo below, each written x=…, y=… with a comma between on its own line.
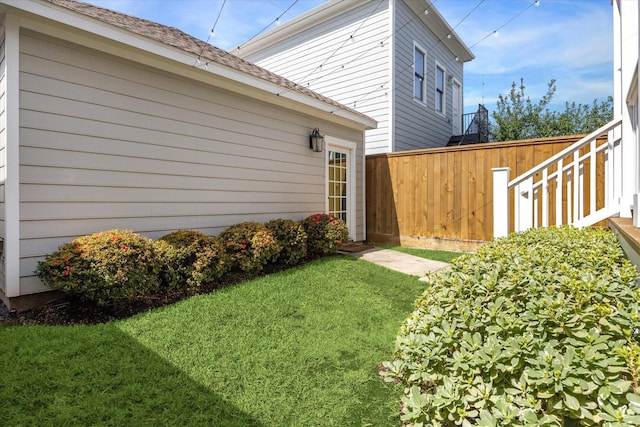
x=576, y=185
x=559, y=184
x=570, y=218
x=524, y=196
x=592, y=177
x=545, y=197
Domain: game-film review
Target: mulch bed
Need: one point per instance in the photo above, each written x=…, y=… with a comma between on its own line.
x=73, y=311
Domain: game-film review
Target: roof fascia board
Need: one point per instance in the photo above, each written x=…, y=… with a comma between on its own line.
x=441, y=28
x=46, y=18
x=296, y=25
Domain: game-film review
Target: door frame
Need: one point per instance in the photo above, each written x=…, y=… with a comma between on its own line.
x=349, y=147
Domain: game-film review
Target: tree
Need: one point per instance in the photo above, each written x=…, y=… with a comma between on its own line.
x=516, y=117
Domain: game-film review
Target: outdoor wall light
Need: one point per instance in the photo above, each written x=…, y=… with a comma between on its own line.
x=316, y=141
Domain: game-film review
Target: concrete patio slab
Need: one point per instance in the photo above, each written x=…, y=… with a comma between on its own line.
x=399, y=261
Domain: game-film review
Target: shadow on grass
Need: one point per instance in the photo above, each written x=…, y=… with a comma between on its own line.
x=99, y=376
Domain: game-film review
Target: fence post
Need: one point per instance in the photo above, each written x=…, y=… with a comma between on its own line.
x=500, y=201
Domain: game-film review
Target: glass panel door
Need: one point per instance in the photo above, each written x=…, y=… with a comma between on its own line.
x=338, y=185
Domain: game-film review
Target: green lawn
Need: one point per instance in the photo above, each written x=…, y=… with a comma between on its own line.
x=436, y=255
x=297, y=348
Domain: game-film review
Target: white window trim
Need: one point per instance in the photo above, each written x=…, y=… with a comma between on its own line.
x=444, y=89
x=422, y=50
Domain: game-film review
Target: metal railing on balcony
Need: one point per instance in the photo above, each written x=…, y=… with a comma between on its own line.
x=579, y=186
x=476, y=128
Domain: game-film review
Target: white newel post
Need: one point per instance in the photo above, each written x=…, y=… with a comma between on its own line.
x=500, y=202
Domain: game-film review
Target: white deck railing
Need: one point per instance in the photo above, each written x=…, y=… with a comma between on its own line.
x=579, y=186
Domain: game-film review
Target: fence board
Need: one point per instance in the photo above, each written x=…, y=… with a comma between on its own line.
x=443, y=197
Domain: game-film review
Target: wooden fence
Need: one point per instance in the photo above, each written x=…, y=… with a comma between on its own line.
x=443, y=197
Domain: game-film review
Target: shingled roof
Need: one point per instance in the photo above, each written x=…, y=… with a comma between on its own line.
x=174, y=37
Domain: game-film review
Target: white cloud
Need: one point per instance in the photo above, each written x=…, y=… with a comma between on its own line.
x=565, y=40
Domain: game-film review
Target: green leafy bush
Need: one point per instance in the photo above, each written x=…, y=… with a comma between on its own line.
x=250, y=246
x=535, y=329
x=108, y=267
x=325, y=234
x=191, y=259
x=292, y=238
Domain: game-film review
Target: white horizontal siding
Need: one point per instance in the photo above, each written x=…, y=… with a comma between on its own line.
x=418, y=125
x=106, y=144
x=354, y=72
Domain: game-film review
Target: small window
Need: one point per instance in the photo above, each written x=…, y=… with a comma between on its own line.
x=439, y=89
x=419, y=58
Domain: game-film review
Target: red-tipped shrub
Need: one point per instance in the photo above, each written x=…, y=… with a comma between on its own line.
x=325, y=234
x=191, y=259
x=109, y=267
x=250, y=245
x=292, y=238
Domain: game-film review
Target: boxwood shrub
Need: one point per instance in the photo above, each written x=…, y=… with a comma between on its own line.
x=191, y=258
x=250, y=246
x=325, y=234
x=535, y=329
x=292, y=238
x=109, y=267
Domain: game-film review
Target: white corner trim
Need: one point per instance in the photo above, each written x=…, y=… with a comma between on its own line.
x=12, y=159
x=391, y=27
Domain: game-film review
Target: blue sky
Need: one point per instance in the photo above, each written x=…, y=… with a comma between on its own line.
x=566, y=40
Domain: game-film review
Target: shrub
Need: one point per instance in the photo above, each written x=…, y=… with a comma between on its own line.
x=109, y=267
x=191, y=258
x=292, y=238
x=325, y=234
x=536, y=329
x=250, y=246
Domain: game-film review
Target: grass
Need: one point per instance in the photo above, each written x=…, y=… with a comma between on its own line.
x=436, y=255
x=297, y=348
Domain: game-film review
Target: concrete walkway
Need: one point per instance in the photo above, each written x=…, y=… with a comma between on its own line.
x=399, y=261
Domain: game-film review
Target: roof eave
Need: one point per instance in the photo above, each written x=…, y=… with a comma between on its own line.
x=441, y=28
x=120, y=42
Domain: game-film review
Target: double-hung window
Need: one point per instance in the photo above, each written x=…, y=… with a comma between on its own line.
x=419, y=80
x=439, y=89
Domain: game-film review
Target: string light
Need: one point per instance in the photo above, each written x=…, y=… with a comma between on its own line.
x=342, y=67
x=211, y=34
x=275, y=21
x=467, y=15
x=495, y=32
x=367, y=96
x=351, y=37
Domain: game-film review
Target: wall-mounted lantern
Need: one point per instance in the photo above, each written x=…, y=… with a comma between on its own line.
x=316, y=141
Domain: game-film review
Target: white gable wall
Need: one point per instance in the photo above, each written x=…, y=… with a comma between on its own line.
x=363, y=83
x=417, y=124
x=107, y=143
